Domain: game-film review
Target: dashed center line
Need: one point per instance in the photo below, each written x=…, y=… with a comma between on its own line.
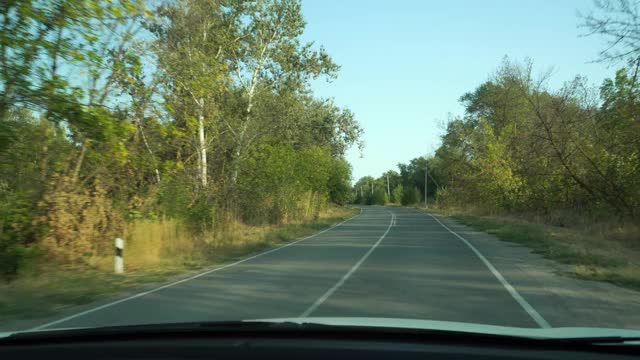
x=346, y=276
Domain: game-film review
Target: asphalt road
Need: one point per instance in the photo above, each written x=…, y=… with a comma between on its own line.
x=385, y=262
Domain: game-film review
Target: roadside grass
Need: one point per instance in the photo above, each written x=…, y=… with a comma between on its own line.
x=159, y=253
x=32, y=297
x=604, y=251
x=243, y=240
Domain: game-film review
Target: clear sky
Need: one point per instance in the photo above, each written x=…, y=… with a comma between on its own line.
x=406, y=63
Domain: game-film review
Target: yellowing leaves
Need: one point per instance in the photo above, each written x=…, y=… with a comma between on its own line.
x=90, y=38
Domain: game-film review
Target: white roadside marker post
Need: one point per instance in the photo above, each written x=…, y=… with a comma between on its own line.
x=119, y=264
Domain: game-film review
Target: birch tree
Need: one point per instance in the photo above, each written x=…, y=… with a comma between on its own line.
x=190, y=44
x=269, y=53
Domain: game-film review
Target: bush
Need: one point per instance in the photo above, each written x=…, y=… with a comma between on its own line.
x=396, y=194
x=10, y=259
x=282, y=184
x=339, y=182
x=410, y=196
x=17, y=233
x=379, y=197
x=79, y=222
x=13, y=258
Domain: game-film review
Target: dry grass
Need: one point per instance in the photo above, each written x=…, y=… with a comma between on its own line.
x=37, y=296
x=154, y=251
x=626, y=275
x=604, y=250
x=152, y=243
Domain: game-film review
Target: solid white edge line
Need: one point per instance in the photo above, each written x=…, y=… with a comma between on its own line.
x=346, y=276
x=89, y=311
x=514, y=293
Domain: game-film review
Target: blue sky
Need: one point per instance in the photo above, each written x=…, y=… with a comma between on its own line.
x=404, y=64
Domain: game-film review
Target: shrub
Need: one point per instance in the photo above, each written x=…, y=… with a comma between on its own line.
x=396, y=194
x=410, y=196
x=379, y=197
x=79, y=222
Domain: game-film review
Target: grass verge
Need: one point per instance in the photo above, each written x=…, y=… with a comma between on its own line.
x=44, y=293
x=594, y=254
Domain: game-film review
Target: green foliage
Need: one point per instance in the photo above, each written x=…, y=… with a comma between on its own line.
x=410, y=196
x=22, y=166
x=15, y=232
x=339, y=182
x=379, y=197
x=521, y=147
x=178, y=198
x=396, y=194
x=280, y=183
x=363, y=189
x=196, y=110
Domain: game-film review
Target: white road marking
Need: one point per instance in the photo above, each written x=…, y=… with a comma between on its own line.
x=514, y=293
x=346, y=276
x=89, y=311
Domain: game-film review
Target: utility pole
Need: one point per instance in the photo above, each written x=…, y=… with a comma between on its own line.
x=388, y=190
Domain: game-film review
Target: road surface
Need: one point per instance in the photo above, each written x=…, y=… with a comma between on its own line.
x=384, y=262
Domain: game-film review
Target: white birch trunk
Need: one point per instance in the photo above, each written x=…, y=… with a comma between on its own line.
x=241, y=136
x=202, y=145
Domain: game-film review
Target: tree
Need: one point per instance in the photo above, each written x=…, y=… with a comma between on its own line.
x=391, y=180
x=190, y=43
x=62, y=58
x=396, y=194
x=365, y=187
x=412, y=175
x=379, y=197
x=339, y=182
x=197, y=111
x=618, y=21
x=269, y=57
x=410, y=196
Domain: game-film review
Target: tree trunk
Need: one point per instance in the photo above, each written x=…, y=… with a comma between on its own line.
x=44, y=160
x=202, y=146
x=146, y=144
x=241, y=136
x=236, y=160
x=76, y=171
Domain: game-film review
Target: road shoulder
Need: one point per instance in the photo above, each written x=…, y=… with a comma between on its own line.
x=562, y=300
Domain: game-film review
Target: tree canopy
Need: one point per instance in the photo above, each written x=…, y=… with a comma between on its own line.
x=196, y=110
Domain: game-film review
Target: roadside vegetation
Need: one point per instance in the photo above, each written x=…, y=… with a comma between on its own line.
x=599, y=250
x=157, y=256
x=555, y=169
x=186, y=127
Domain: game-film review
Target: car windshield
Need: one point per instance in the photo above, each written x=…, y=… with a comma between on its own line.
x=470, y=163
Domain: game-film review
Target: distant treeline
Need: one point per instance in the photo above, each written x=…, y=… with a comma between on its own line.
x=522, y=147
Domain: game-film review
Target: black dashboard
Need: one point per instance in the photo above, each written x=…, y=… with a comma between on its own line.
x=317, y=343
